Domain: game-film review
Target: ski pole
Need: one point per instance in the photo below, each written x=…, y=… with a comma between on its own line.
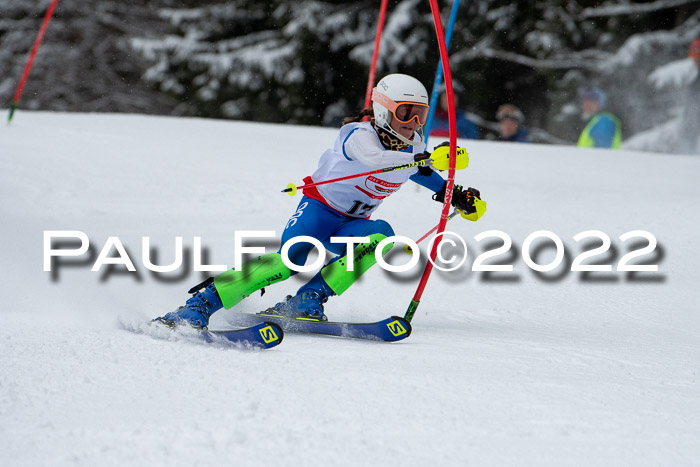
x=408, y=249
x=32, y=54
x=292, y=188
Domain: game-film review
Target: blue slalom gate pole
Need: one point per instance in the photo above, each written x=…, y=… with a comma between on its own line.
x=439, y=73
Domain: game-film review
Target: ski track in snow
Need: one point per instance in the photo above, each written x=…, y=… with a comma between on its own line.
x=520, y=370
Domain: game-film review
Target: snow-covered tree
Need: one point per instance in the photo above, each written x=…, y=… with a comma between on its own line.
x=662, y=130
x=541, y=54
x=306, y=61
x=280, y=61
x=85, y=62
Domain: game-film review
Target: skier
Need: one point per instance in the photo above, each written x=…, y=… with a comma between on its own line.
x=603, y=129
x=392, y=137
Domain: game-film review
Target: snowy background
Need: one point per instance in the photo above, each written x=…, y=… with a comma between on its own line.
x=307, y=61
x=519, y=368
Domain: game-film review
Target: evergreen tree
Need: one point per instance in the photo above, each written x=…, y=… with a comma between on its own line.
x=306, y=61
x=85, y=62
x=280, y=61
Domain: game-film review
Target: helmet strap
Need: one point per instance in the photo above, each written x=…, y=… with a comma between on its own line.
x=392, y=140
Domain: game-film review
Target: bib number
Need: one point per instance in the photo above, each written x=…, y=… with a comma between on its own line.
x=360, y=209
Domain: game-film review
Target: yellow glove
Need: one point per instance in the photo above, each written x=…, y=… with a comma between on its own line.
x=469, y=203
x=479, y=210
x=440, y=158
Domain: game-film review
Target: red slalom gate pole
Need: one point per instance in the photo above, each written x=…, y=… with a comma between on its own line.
x=375, y=54
x=32, y=54
x=453, y=159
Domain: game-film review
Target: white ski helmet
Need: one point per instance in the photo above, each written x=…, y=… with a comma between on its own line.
x=399, y=88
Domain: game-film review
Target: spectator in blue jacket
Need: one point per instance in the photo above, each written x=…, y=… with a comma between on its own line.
x=465, y=127
x=510, y=121
x=603, y=129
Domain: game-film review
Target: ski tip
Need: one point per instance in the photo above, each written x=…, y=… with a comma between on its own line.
x=271, y=334
x=399, y=328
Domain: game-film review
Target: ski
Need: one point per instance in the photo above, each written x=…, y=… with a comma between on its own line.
x=263, y=334
x=391, y=329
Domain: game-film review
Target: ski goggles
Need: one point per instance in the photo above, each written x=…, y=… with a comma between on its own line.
x=508, y=116
x=404, y=112
x=511, y=112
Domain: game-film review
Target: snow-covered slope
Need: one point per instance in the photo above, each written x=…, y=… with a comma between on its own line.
x=518, y=368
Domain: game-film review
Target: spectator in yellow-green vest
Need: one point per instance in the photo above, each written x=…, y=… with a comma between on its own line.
x=603, y=129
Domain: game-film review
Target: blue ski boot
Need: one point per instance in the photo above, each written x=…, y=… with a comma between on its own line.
x=305, y=304
x=308, y=302
x=197, y=310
